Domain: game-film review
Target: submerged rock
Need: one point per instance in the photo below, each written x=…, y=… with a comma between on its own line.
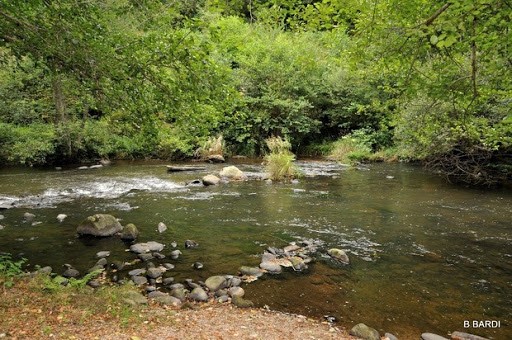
x=130, y=232
x=191, y=244
x=103, y=254
x=175, y=254
x=251, y=271
x=161, y=227
x=28, y=217
x=100, y=225
x=362, y=331
x=466, y=336
x=61, y=217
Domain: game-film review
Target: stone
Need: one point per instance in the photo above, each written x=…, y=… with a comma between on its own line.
x=191, y=284
x=117, y=265
x=362, y=331
x=155, y=293
x=232, y=173
x=234, y=282
x=198, y=294
x=71, y=272
x=134, y=298
x=223, y=299
x=96, y=166
x=145, y=257
x=298, y=263
x=101, y=262
x=95, y=268
x=139, y=280
x=251, y=271
x=158, y=256
x=168, y=266
x=389, y=336
x=161, y=227
x=155, y=272
x=45, y=270
x=94, y=283
x=215, y=159
x=84, y=167
x=175, y=254
x=241, y=302
x=466, y=336
x=191, y=244
x=28, y=217
x=137, y=272
x=147, y=247
x=180, y=293
x=290, y=248
x=338, y=255
x=100, y=225
x=197, y=265
x=130, y=232
x=168, y=281
x=432, y=336
x=2, y=217
x=214, y=283
x=102, y=254
x=236, y=291
x=210, y=180
x=2, y=227
x=61, y=217
x=271, y=267
x=168, y=300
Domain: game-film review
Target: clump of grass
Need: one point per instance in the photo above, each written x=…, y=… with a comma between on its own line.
x=280, y=161
x=213, y=146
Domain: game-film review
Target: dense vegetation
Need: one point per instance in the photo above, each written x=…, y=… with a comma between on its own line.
x=420, y=80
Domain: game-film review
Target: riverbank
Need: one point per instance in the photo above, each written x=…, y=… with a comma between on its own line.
x=32, y=311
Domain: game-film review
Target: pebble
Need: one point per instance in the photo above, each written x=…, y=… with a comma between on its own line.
x=191, y=244
x=61, y=217
x=102, y=254
x=161, y=227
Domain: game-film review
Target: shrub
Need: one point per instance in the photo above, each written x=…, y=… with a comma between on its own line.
x=9, y=269
x=350, y=149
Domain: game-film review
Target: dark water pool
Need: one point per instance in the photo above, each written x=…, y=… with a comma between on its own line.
x=425, y=255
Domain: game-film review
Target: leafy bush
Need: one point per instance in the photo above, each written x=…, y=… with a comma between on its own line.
x=352, y=148
x=31, y=145
x=9, y=269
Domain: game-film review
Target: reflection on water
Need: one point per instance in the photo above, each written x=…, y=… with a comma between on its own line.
x=425, y=255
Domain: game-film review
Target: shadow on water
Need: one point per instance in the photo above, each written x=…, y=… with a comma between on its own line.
x=425, y=255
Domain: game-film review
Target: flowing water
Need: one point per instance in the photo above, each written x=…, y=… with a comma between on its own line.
x=426, y=256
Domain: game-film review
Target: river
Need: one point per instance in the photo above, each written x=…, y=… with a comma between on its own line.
x=426, y=256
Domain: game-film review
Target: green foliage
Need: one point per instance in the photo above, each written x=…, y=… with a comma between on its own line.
x=9, y=269
x=279, y=162
x=58, y=283
x=352, y=148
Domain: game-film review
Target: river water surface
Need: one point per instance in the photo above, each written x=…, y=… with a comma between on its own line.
x=425, y=255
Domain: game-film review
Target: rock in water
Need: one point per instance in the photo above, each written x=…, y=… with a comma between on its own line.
x=215, y=159
x=214, y=283
x=233, y=173
x=191, y=244
x=362, y=331
x=161, y=227
x=102, y=254
x=210, y=180
x=466, y=336
x=61, y=217
x=251, y=271
x=175, y=254
x=130, y=232
x=29, y=218
x=70, y=272
x=236, y=291
x=338, y=255
x=101, y=225
x=147, y=247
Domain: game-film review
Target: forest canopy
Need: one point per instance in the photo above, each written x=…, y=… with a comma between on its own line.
x=427, y=81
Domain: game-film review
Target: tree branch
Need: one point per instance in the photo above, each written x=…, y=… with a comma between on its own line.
x=434, y=16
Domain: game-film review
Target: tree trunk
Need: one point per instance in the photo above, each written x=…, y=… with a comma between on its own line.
x=60, y=110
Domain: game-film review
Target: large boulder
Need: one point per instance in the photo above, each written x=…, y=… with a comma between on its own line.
x=198, y=294
x=215, y=159
x=233, y=173
x=100, y=225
